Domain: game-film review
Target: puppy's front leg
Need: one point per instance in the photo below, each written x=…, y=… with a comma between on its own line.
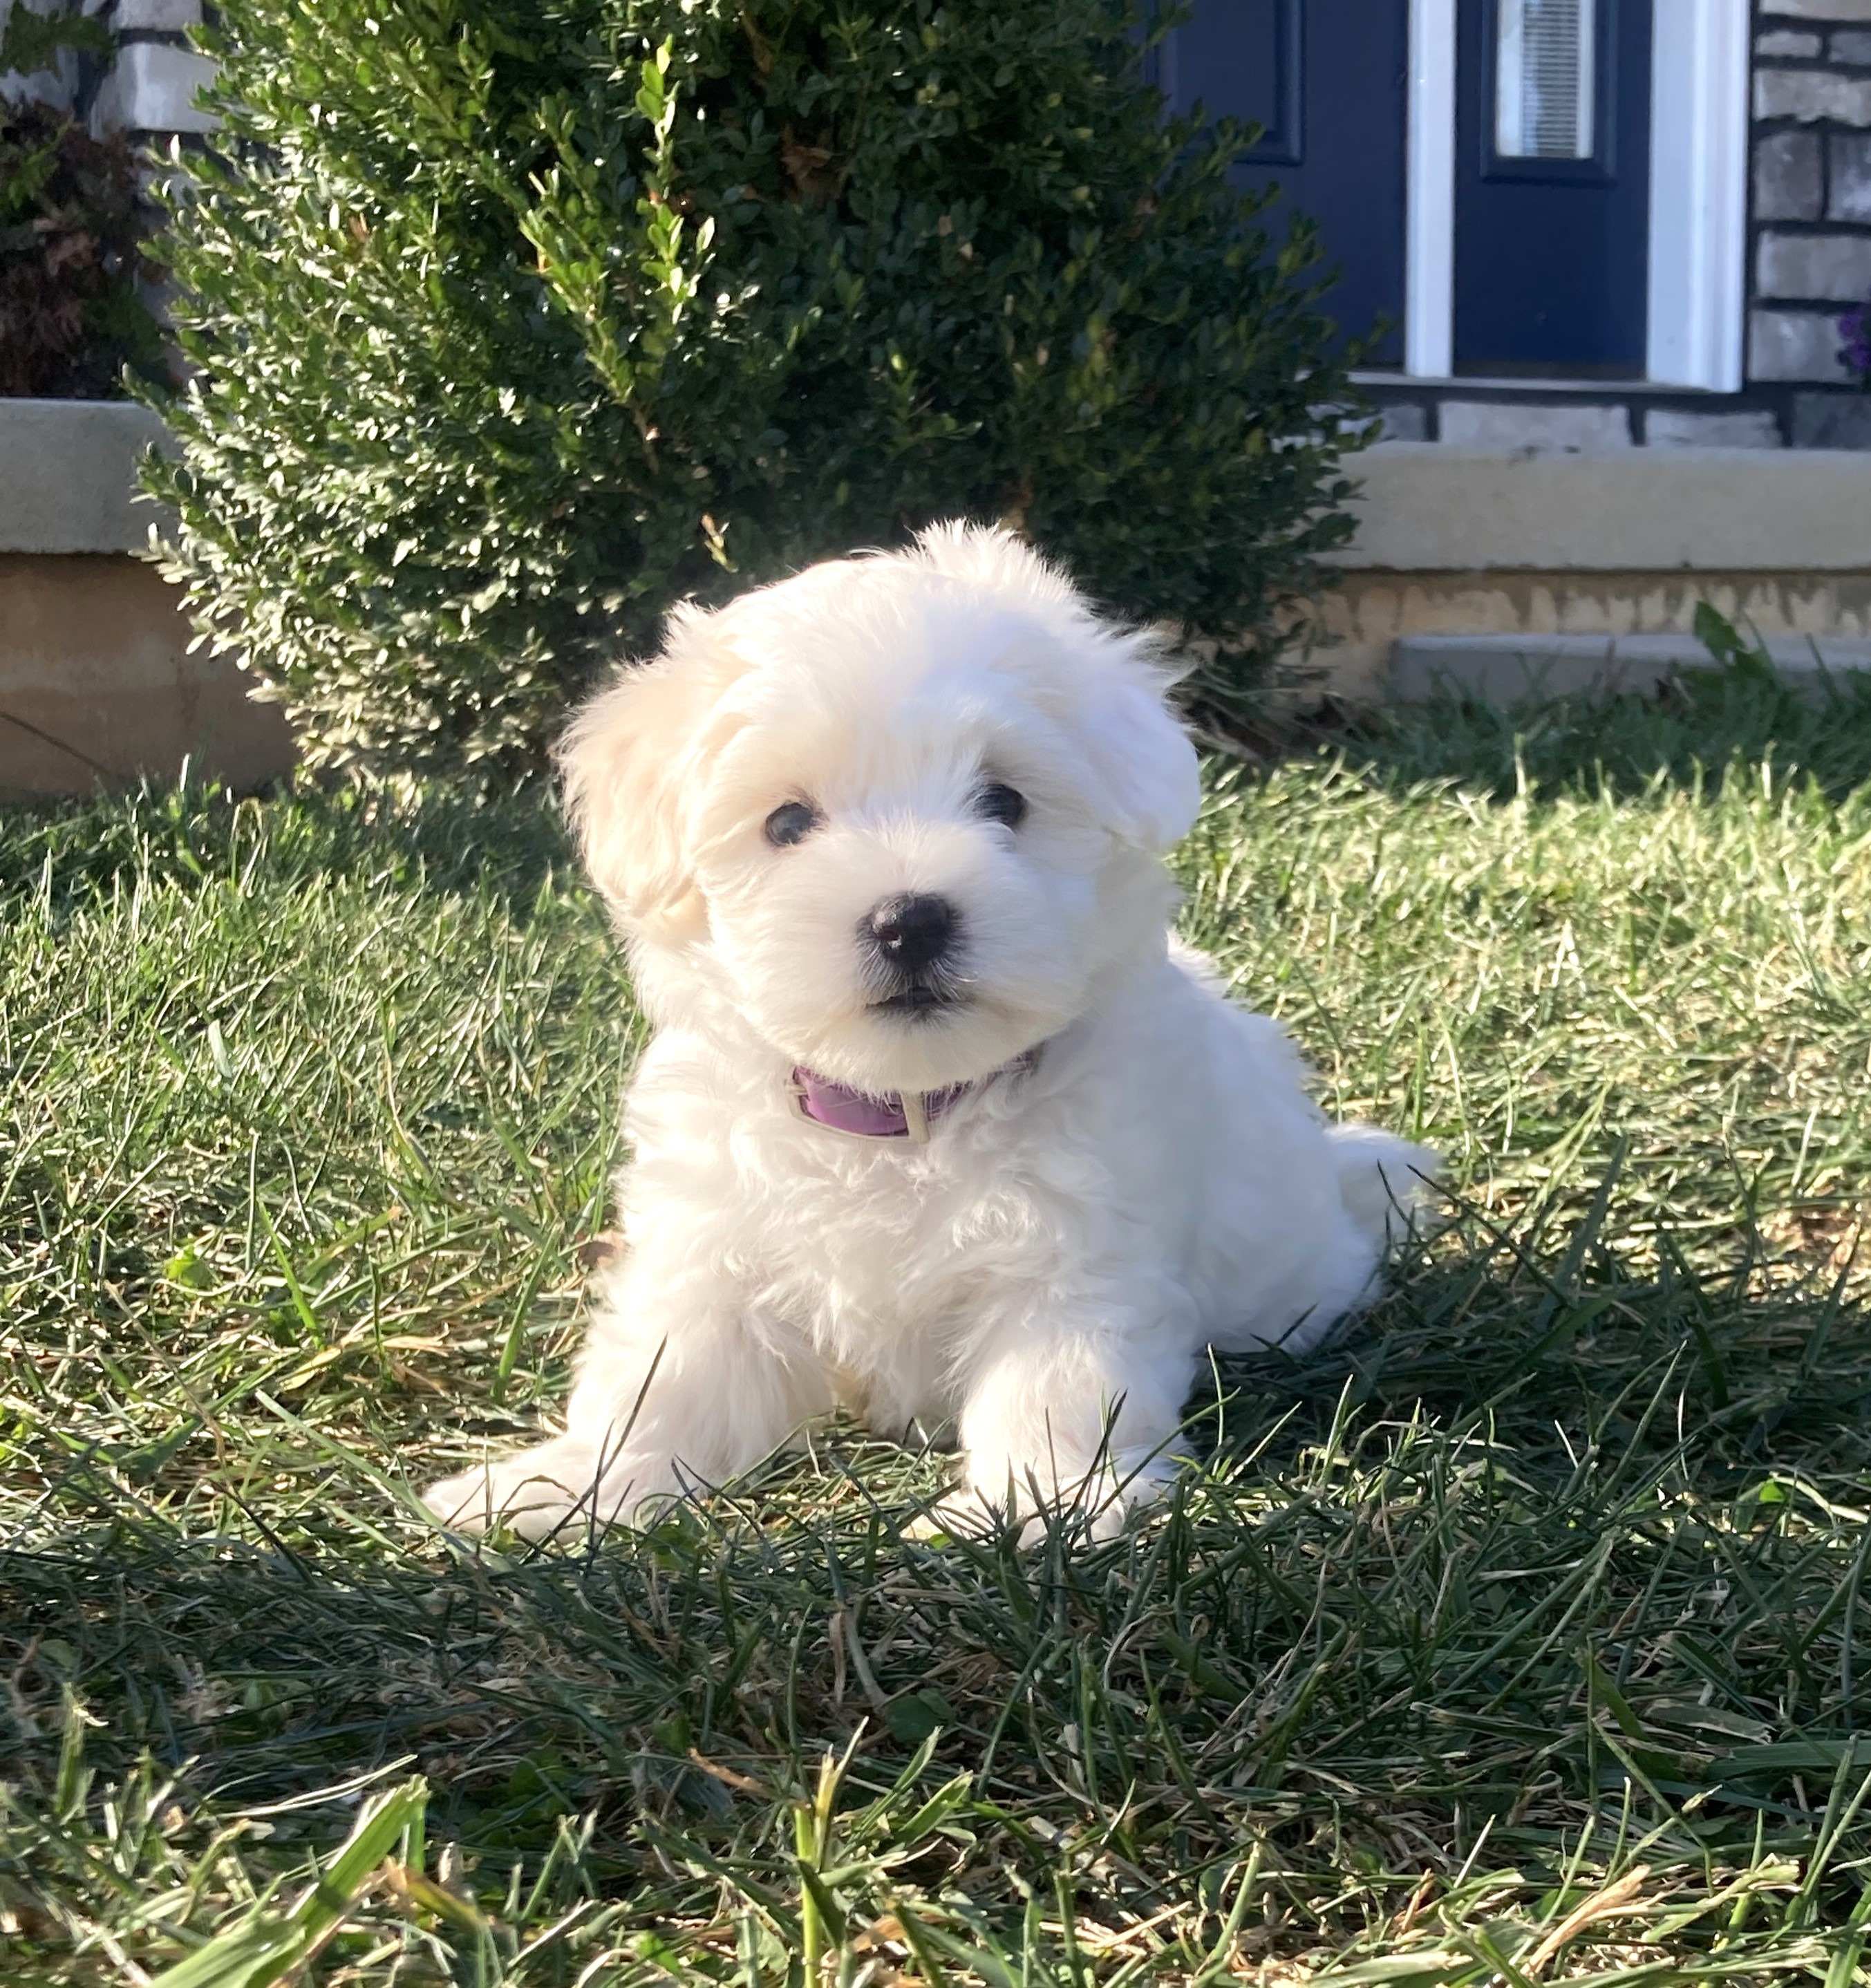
x=679, y=1388
x=1075, y=1409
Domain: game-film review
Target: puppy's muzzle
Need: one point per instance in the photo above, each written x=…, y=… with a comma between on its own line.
x=912, y=941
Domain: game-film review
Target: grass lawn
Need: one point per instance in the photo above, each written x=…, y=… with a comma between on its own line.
x=1520, y=1637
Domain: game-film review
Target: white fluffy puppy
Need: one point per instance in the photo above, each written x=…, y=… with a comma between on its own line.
x=937, y=1123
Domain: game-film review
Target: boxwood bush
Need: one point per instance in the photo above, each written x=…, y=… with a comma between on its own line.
x=517, y=320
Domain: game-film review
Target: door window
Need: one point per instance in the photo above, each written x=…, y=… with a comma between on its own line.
x=1545, y=95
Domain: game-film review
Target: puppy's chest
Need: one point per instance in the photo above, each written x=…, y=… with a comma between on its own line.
x=902, y=1242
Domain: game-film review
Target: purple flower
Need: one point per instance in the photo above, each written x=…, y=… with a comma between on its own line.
x=1855, y=329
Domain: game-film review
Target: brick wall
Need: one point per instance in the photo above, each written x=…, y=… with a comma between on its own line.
x=1810, y=224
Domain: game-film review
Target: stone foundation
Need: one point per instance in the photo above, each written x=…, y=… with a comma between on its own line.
x=1371, y=612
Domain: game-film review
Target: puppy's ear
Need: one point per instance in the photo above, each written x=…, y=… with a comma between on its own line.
x=631, y=762
x=1140, y=757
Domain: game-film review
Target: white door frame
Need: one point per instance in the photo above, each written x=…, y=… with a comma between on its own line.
x=1699, y=85
x=1429, y=193
x=1699, y=80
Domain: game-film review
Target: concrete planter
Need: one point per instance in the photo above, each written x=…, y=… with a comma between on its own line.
x=97, y=683
x=1538, y=552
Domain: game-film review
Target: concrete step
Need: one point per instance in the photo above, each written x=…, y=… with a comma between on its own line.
x=1506, y=669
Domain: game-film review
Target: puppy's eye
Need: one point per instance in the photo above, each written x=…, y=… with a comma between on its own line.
x=1002, y=804
x=791, y=822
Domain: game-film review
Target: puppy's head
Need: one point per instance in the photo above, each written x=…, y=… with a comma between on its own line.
x=903, y=813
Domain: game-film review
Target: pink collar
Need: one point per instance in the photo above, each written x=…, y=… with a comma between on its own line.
x=896, y=1114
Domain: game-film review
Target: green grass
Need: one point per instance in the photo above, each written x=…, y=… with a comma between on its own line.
x=1523, y=1637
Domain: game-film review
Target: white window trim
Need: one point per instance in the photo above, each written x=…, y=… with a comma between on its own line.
x=1699, y=72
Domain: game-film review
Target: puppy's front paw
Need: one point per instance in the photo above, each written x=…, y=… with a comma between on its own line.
x=1097, y=1505
x=498, y=1497
x=962, y=1515
x=560, y=1490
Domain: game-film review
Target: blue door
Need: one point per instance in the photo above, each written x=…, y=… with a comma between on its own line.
x=1552, y=182
x=1328, y=84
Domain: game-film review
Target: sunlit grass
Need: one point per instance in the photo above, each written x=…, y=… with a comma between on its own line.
x=1518, y=1637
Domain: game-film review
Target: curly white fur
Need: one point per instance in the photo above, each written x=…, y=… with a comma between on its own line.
x=1041, y=1275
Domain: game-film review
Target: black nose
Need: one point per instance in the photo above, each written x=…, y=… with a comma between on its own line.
x=912, y=932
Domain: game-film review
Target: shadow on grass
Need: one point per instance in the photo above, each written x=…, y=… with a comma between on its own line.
x=1542, y=1473
x=192, y=833
x=1697, y=734
x=1762, y=1362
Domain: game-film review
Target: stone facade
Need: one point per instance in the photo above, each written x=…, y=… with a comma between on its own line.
x=147, y=88
x=1811, y=225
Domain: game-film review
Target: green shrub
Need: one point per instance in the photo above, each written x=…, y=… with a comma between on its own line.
x=519, y=319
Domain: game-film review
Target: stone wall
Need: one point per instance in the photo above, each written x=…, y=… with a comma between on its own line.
x=1529, y=545
x=1811, y=221
x=100, y=680
x=146, y=87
